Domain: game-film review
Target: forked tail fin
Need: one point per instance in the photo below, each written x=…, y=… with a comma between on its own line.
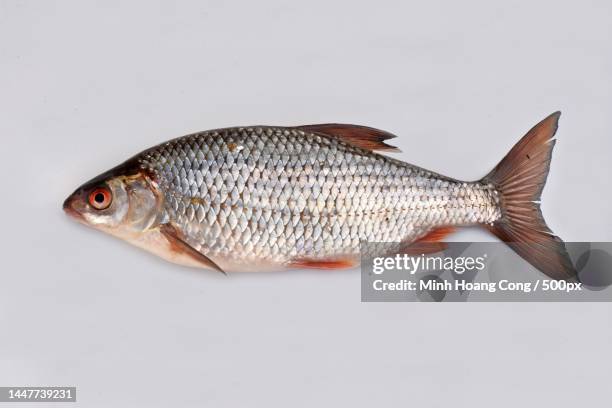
x=519, y=179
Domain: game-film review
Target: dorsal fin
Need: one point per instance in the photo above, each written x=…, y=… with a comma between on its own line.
x=360, y=136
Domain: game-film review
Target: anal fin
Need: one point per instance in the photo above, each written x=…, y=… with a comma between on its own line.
x=429, y=243
x=437, y=234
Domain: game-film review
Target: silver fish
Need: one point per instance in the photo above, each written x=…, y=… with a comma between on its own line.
x=265, y=197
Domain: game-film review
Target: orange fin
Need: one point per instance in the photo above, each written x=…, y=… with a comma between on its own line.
x=519, y=178
x=428, y=243
x=360, y=136
x=437, y=234
x=422, y=248
x=309, y=263
x=179, y=245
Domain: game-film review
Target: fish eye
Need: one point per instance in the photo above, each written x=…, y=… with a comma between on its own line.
x=100, y=198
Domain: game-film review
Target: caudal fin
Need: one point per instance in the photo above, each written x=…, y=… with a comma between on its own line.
x=519, y=179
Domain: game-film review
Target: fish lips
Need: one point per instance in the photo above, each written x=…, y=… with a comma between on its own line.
x=69, y=206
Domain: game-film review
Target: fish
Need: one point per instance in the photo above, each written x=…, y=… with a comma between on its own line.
x=261, y=198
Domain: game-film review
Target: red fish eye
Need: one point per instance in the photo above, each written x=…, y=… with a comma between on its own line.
x=100, y=198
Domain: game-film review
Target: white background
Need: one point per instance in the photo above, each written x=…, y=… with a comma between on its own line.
x=84, y=85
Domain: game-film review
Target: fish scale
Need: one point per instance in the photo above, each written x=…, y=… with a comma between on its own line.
x=278, y=194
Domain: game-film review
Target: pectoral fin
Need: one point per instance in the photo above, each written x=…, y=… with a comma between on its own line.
x=179, y=245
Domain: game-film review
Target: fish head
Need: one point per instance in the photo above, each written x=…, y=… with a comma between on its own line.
x=122, y=201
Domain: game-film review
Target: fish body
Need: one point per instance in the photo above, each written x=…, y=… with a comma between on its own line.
x=265, y=197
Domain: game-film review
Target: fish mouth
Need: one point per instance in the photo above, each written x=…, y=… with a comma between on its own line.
x=70, y=211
